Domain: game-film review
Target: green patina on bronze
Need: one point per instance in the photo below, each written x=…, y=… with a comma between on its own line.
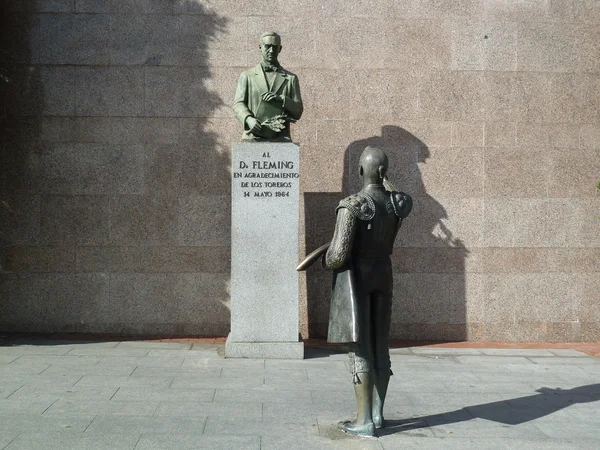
x=359, y=255
x=267, y=98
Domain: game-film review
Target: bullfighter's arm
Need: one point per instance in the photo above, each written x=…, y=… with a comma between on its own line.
x=340, y=249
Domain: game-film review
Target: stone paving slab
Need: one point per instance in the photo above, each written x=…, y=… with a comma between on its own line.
x=59, y=360
x=6, y=359
x=15, y=368
x=108, y=351
x=567, y=352
x=319, y=443
x=236, y=427
x=403, y=385
x=172, y=372
x=567, y=361
x=174, y=395
x=509, y=377
x=401, y=351
x=326, y=374
x=6, y=437
x=81, y=370
x=138, y=361
x=313, y=363
x=297, y=412
x=43, y=344
x=75, y=392
x=72, y=441
x=103, y=407
x=216, y=361
x=188, y=382
x=484, y=360
x=304, y=385
x=586, y=412
x=456, y=398
x=484, y=428
x=186, y=353
x=589, y=371
x=428, y=413
x=569, y=430
x=154, y=345
x=467, y=375
x=262, y=394
x=478, y=387
x=194, y=442
x=41, y=380
x=445, y=351
x=428, y=359
x=8, y=389
x=239, y=411
x=516, y=352
x=30, y=406
x=121, y=381
x=542, y=367
x=35, y=350
x=151, y=393
x=234, y=373
x=37, y=423
x=146, y=424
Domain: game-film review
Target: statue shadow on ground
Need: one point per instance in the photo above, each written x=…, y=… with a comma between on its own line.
x=428, y=260
x=58, y=166
x=508, y=412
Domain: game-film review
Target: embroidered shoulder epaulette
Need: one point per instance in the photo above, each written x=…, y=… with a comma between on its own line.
x=360, y=206
x=402, y=203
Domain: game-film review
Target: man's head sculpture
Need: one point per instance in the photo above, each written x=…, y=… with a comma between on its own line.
x=373, y=165
x=270, y=47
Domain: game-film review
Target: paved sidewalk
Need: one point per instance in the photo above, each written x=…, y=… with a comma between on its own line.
x=146, y=395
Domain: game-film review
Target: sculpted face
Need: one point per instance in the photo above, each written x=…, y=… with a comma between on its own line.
x=270, y=46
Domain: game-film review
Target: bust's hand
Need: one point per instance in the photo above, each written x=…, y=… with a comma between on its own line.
x=253, y=124
x=271, y=97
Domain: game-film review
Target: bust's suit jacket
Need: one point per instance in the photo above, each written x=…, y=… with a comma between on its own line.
x=252, y=84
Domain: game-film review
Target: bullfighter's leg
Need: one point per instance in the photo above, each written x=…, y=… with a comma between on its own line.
x=361, y=362
x=381, y=309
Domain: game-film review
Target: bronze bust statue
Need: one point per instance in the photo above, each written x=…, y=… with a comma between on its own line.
x=267, y=97
x=359, y=255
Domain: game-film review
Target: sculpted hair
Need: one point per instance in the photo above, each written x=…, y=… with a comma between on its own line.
x=270, y=33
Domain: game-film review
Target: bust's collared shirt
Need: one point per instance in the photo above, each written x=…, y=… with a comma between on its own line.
x=270, y=72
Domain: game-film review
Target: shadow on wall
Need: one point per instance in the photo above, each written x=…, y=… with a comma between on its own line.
x=21, y=103
x=428, y=261
x=109, y=170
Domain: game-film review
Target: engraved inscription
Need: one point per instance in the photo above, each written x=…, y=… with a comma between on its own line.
x=265, y=178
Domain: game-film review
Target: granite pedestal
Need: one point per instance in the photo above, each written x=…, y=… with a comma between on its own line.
x=264, y=251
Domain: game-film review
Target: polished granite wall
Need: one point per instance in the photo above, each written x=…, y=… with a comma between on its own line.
x=115, y=177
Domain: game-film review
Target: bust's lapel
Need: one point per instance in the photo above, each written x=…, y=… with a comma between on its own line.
x=280, y=78
x=259, y=76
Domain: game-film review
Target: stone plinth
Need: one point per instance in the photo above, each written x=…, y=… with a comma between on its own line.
x=264, y=251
